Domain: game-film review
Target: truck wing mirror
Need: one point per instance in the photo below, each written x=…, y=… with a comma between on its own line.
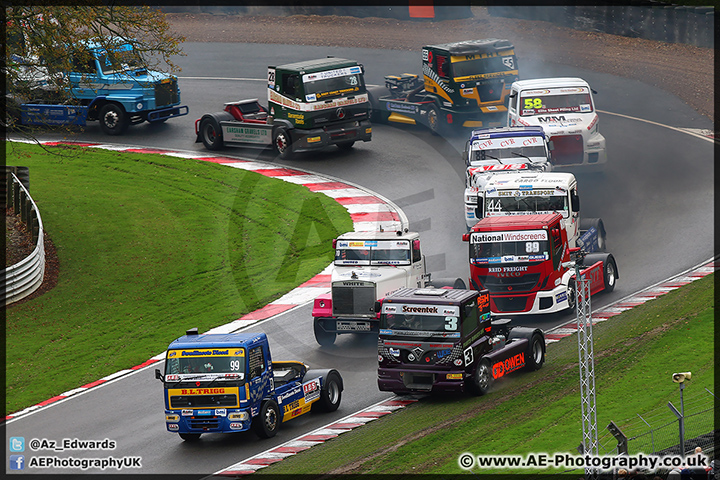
x=159, y=375
x=466, y=237
x=575, y=201
x=378, y=306
x=551, y=145
x=512, y=95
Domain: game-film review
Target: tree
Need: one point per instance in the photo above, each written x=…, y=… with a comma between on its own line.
x=43, y=41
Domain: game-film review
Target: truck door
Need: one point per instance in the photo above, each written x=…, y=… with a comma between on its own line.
x=513, y=111
x=574, y=217
x=259, y=375
x=418, y=265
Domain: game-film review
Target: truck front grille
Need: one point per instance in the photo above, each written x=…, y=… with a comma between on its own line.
x=568, y=149
x=490, y=91
x=354, y=300
x=200, y=401
x=510, y=284
x=511, y=304
x=204, y=423
x=166, y=93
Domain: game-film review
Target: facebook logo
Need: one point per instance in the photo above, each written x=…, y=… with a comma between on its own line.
x=17, y=444
x=17, y=462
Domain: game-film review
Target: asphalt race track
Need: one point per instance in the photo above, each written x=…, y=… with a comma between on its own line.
x=656, y=199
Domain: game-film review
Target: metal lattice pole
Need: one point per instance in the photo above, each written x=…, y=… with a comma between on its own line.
x=587, y=367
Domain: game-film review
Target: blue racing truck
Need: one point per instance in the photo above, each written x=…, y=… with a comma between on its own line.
x=228, y=383
x=110, y=85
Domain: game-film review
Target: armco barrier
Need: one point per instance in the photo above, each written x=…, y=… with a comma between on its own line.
x=23, y=278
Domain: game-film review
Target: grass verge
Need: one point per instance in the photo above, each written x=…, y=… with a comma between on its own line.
x=635, y=355
x=150, y=245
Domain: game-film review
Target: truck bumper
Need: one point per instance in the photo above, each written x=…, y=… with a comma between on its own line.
x=207, y=420
x=348, y=325
x=316, y=138
x=165, y=113
x=548, y=301
x=400, y=380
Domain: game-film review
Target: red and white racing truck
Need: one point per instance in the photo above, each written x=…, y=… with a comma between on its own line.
x=525, y=262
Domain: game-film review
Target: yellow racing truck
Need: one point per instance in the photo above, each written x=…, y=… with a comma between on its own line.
x=463, y=84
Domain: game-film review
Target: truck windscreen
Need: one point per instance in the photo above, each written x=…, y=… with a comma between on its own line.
x=419, y=323
x=508, y=247
x=508, y=153
x=123, y=59
x=536, y=104
x=479, y=66
x=372, y=252
x=333, y=84
x=528, y=203
x=205, y=361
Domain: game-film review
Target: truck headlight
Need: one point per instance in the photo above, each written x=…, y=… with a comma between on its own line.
x=242, y=416
x=172, y=418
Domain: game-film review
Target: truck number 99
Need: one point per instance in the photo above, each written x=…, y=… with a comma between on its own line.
x=234, y=365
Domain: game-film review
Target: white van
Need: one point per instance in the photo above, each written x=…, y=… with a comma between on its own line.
x=564, y=107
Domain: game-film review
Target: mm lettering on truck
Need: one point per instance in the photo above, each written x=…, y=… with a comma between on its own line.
x=222, y=383
x=435, y=340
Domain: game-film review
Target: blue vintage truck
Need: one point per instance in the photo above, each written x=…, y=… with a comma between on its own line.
x=228, y=383
x=112, y=86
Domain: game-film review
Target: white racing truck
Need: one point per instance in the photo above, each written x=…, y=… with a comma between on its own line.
x=509, y=173
x=565, y=108
x=368, y=266
x=492, y=152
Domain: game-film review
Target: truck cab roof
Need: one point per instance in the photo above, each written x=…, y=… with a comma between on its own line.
x=194, y=341
x=317, y=65
x=553, y=82
x=517, y=222
x=433, y=296
x=503, y=132
x=378, y=235
x=469, y=47
x=518, y=180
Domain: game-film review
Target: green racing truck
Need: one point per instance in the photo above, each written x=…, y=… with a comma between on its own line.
x=311, y=104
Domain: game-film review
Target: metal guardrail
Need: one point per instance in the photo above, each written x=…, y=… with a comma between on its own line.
x=23, y=278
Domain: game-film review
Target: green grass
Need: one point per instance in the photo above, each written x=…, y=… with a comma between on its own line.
x=635, y=355
x=150, y=245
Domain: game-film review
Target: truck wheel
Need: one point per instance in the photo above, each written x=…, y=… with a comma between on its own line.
x=482, y=379
x=283, y=143
x=345, y=146
x=323, y=338
x=535, y=353
x=331, y=394
x=609, y=274
x=113, y=119
x=266, y=423
x=190, y=437
x=433, y=120
x=571, y=294
x=211, y=134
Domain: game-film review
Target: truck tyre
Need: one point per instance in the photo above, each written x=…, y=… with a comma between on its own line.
x=609, y=274
x=535, y=353
x=190, y=437
x=211, y=134
x=113, y=119
x=323, y=338
x=282, y=143
x=345, y=146
x=433, y=120
x=331, y=393
x=266, y=423
x=482, y=378
x=571, y=294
